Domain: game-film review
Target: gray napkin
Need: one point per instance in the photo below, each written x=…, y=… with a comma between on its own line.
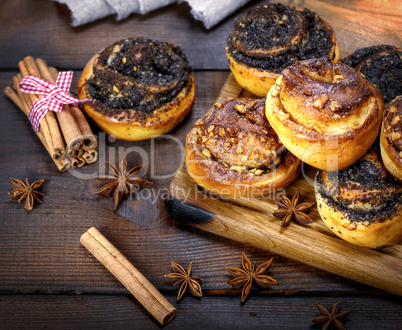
x=210, y=12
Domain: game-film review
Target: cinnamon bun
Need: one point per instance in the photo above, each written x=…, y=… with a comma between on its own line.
x=324, y=113
x=270, y=38
x=380, y=65
x=140, y=87
x=391, y=138
x=233, y=151
x=362, y=204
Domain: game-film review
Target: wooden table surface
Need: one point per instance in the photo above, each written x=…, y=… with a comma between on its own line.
x=48, y=279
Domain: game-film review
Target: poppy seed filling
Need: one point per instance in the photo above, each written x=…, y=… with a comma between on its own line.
x=274, y=26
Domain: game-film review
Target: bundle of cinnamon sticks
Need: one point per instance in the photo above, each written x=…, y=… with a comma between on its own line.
x=66, y=135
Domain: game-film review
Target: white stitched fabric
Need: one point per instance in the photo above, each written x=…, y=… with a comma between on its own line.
x=209, y=12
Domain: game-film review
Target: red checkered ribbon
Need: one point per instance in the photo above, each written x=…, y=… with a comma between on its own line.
x=54, y=95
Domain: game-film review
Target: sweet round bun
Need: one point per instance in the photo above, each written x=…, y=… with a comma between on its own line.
x=141, y=87
x=381, y=65
x=391, y=138
x=233, y=151
x=269, y=38
x=361, y=204
x=325, y=113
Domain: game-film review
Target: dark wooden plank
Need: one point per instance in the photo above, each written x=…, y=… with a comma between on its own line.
x=40, y=250
x=111, y=312
x=41, y=29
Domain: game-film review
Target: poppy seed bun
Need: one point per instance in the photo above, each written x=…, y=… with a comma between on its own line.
x=361, y=204
x=141, y=87
x=270, y=38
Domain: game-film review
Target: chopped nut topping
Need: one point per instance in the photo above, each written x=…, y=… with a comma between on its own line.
x=259, y=172
x=218, y=105
x=238, y=168
x=279, y=80
x=135, y=68
x=274, y=93
x=262, y=139
x=211, y=128
x=283, y=115
x=116, y=90
x=352, y=226
x=395, y=136
x=392, y=109
x=253, y=170
x=198, y=123
x=123, y=60
x=338, y=78
x=240, y=108
x=221, y=132
x=234, y=140
x=320, y=102
x=207, y=153
x=335, y=106
x=396, y=120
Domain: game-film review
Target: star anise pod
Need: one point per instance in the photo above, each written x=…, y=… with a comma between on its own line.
x=329, y=316
x=288, y=210
x=183, y=277
x=25, y=191
x=121, y=181
x=246, y=276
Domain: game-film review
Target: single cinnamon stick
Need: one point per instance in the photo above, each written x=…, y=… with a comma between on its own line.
x=51, y=131
x=90, y=141
x=28, y=100
x=75, y=152
x=90, y=156
x=77, y=161
x=128, y=275
x=69, y=127
x=57, y=139
x=12, y=94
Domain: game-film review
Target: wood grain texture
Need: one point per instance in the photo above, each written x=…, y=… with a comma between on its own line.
x=356, y=23
x=121, y=312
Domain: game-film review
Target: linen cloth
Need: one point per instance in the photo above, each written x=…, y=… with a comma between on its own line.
x=209, y=12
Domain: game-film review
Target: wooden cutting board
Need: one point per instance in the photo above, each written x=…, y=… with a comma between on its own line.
x=249, y=220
